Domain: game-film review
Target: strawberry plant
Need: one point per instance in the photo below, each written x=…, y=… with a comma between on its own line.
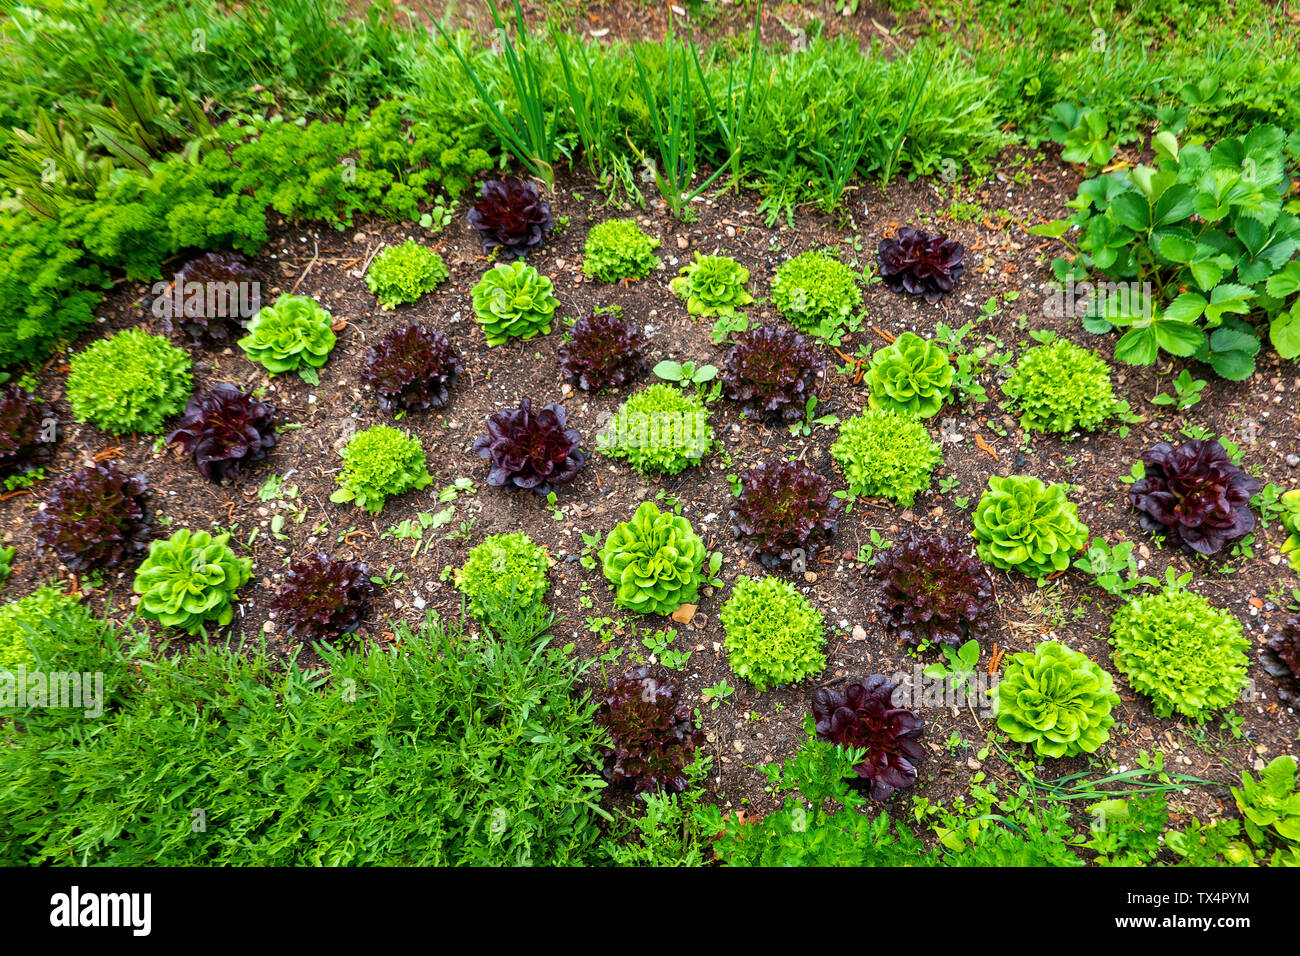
x=1199, y=251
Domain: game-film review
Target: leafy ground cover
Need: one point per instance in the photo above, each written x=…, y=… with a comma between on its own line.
x=283, y=506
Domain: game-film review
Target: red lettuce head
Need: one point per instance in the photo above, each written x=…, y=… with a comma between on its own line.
x=1281, y=658
x=323, y=598
x=863, y=716
x=604, y=352
x=224, y=429
x=412, y=369
x=771, y=371
x=511, y=213
x=933, y=590
x=94, y=518
x=229, y=294
x=1194, y=494
x=26, y=436
x=922, y=263
x=653, y=739
x=784, y=507
x=530, y=449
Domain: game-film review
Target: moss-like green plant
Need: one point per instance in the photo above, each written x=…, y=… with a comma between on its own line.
x=1055, y=699
x=712, y=286
x=1026, y=526
x=378, y=462
x=189, y=580
x=505, y=570
x=1184, y=653
x=911, y=376
x=514, y=301
x=655, y=561
x=6, y=564
x=292, y=335
x=405, y=272
x=816, y=292
x=26, y=620
x=884, y=452
x=774, y=635
x=616, y=249
x=129, y=382
x=659, y=429
x=1060, y=388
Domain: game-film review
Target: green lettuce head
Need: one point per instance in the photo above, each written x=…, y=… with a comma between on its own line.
x=1291, y=525
x=504, y=570
x=774, y=635
x=912, y=376
x=514, y=301
x=292, y=334
x=1181, y=651
x=712, y=286
x=188, y=581
x=655, y=561
x=1057, y=700
x=1026, y=526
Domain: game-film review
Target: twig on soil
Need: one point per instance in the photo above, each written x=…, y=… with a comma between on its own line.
x=314, y=259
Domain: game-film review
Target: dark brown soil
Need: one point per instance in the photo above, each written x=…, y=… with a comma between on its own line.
x=751, y=728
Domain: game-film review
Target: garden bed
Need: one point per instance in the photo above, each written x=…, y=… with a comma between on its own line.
x=749, y=728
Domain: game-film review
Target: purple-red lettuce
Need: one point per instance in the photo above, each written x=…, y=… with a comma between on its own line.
x=323, y=598
x=213, y=298
x=864, y=716
x=933, y=590
x=784, y=507
x=922, y=263
x=26, y=436
x=771, y=371
x=604, y=352
x=1194, y=494
x=224, y=429
x=653, y=738
x=510, y=213
x=412, y=369
x=529, y=449
x=1281, y=658
x=94, y=518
